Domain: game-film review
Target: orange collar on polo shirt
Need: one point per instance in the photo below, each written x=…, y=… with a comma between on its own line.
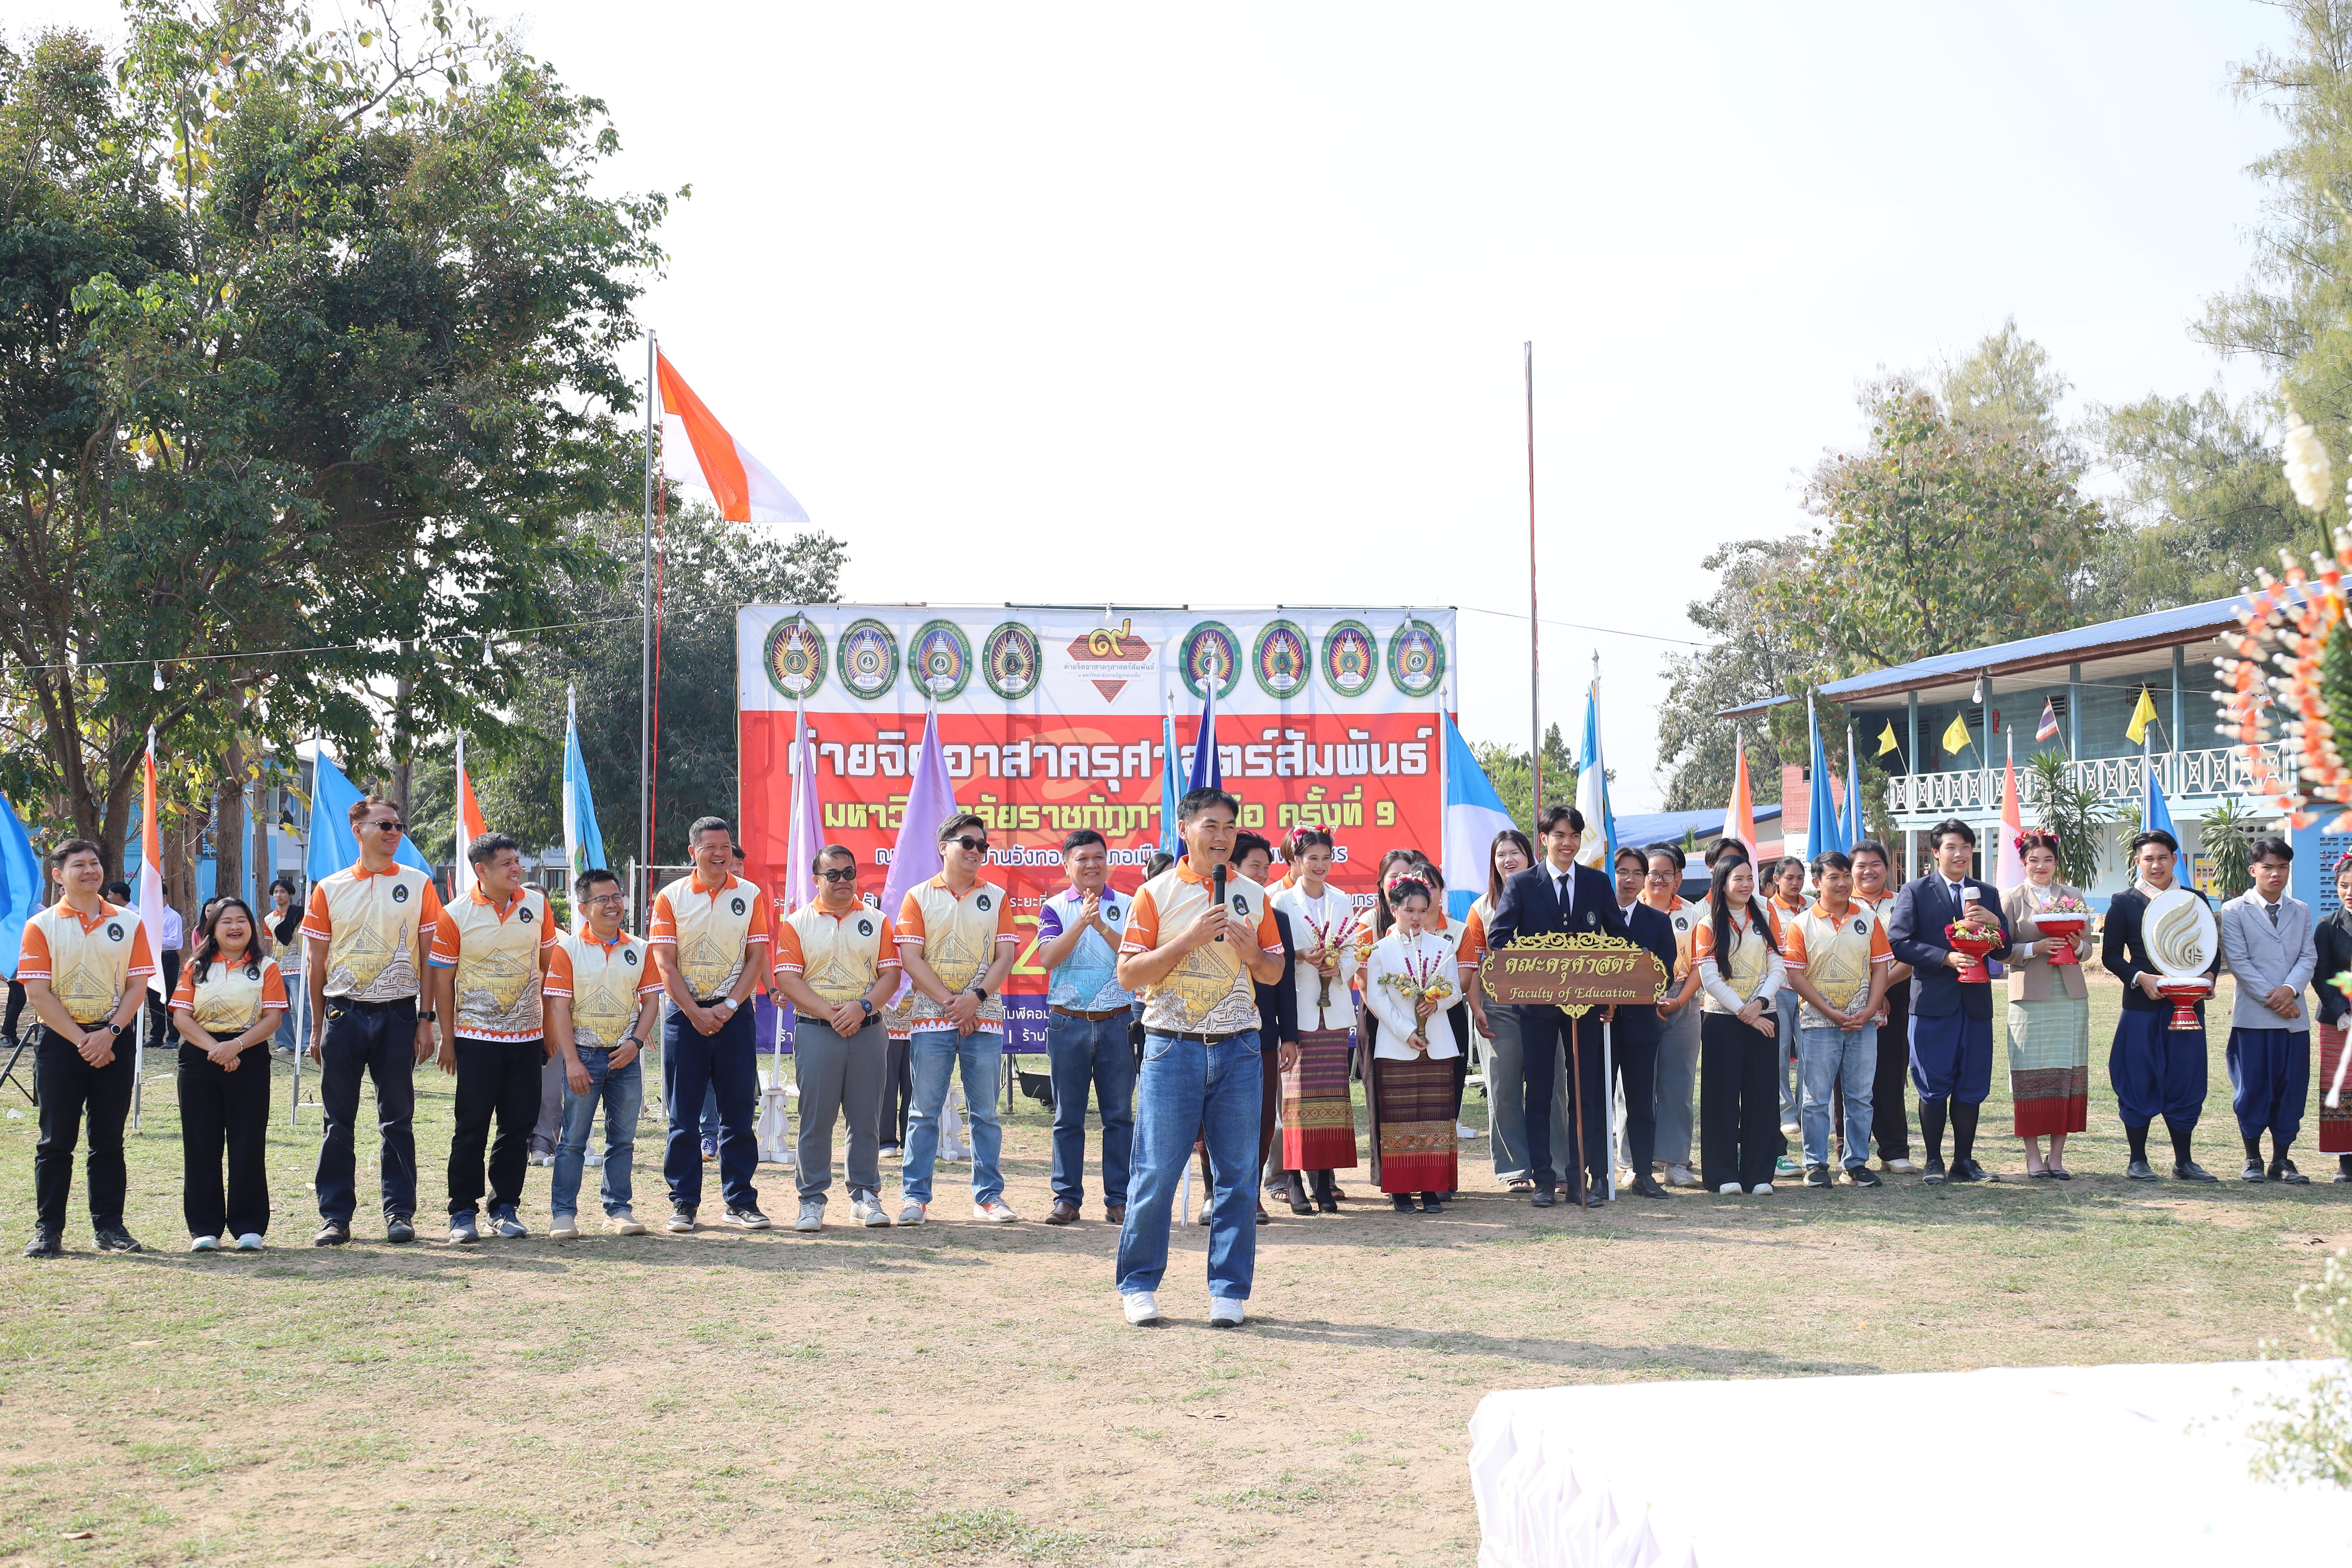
x=1822, y=908
x=391, y=868
x=89, y=922
x=503, y=910
x=607, y=943
x=941, y=882
x=695, y=883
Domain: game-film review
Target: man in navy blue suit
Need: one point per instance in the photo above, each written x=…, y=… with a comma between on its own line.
x=1634, y=1031
x=1951, y=1019
x=1559, y=896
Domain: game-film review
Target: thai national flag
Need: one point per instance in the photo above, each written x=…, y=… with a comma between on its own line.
x=2048, y=729
x=1474, y=814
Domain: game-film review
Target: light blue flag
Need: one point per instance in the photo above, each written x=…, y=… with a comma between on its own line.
x=1474, y=814
x=583, y=842
x=20, y=886
x=1592, y=790
x=333, y=847
x=2157, y=816
x=1171, y=841
x=1823, y=829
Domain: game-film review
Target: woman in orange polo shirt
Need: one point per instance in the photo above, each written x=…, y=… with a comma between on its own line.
x=226, y=1006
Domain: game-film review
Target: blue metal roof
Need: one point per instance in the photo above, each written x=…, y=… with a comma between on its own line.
x=1668, y=827
x=2159, y=628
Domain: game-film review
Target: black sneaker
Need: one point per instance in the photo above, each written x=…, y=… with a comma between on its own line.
x=2285, y=1170
x=334, y=1232
x=1817, y=1175
x=1863, y=1177
x=749, y=1217
x=1969, y=1171
x=2254, y=1172
x=114, y=1239
x=681, y=1220
x=48, y=1241
x=2190, y=1170
x=2141, y=1171
x=398, y=1229
x=1935, y=1176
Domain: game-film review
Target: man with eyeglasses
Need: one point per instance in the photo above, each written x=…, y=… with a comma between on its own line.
x=957, y=938
x=364, y=939
x=710, y=939
x=602, y=998
x=837, y=964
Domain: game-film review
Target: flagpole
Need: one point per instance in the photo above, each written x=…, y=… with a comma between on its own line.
x=1535, y=660
x=646, y=677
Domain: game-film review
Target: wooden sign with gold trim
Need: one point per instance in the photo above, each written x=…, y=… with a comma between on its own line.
x=1573, y=970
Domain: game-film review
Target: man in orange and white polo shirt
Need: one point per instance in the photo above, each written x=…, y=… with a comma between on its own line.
x=957, y=938
x=601, y=994
x=1838, y=958
x=1197, y=962
x=837, y=964
x=489, y=958
x=84, y=967
x=710, y=939
x=364, y=936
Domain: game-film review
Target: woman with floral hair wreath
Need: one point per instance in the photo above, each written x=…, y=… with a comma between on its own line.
x=2334, y=941
x=2049, y=1009
x=1319, y=1116
x=1410, y=980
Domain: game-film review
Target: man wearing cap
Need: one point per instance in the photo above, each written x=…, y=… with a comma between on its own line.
x=837, y=964
x=711, y=940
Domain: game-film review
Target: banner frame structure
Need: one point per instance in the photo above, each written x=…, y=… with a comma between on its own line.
x=1055, y=717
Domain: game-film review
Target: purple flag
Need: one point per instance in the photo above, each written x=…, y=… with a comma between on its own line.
x=930, y=796
x=806, y=835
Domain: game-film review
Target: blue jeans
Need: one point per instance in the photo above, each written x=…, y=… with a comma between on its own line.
x=1191, y=1090
x=1838, y=1060
x=935, y=1054
x=1091, y=1054
x=622, y=1095
x=694, y=1064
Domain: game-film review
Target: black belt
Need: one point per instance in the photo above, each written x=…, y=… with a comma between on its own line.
x=355, y=1002
x=1092, y=1017
x=710, y=1001
x=1204, y=1039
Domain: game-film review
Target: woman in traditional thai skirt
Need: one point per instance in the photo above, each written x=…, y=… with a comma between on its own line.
x=1739, y=1035
x=1319, y=1113
x=2049, y=1012
x=1410, y=982
x=2334, y=941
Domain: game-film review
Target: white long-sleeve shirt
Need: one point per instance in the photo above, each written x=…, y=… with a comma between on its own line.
x=1754, y=969
x=1426, y=954
x=1334, y=916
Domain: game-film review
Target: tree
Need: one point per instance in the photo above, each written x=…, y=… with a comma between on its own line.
x=2072, y=809
x=1506, y=769
x=308, y=366
x=1755, y=656
x=708, y=568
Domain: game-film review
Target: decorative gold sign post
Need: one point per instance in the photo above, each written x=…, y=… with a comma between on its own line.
x=1576, y=972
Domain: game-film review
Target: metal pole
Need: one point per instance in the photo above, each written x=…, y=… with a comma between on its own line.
x=1609, y=1100
x=646, y=683
x=1535, y=660
x=1576, y=1107
x=139, y=1065
x=302, y=1003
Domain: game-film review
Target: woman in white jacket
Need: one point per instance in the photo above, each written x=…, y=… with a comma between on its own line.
x=1318, y=1117
x=1738, y=1036
x=1409, y=980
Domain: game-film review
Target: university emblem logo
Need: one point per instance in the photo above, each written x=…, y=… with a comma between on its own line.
x=1110, y=658
x=629, y=956
x=1416, y=659
x=869, y=657
x=1241, y=905
x=115, y=931
x=794, y=657
x=1352, y=659
x=1861, y=926
x=525, y=913
x=1209, y=652
x=400, y=892
x=942, y=660
x=983, y=903
x=1281, y=661
x=1012, y=661
x=735, y=905
x=864, y=927
x=1111, y=911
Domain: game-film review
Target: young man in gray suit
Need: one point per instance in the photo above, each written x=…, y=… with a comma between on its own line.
x=2266, y=938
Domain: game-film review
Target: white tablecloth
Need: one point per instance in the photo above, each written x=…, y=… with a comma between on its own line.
x=2143, y=1465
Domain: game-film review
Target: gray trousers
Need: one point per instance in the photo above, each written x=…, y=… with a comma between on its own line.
x=1677, y=1080
x=1506, y=1102
x=549, y=1130
x=839, y=1080
x=1784, y=1004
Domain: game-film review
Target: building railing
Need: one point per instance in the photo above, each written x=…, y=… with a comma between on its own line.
x=2219, y=772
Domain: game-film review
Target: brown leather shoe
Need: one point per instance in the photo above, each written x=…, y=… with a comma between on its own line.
x=1064, y=1212
x=1114, y=1213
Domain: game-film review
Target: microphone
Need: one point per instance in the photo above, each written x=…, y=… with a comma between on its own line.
x=1221, y=896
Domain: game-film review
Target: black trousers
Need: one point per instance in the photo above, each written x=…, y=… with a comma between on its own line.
x=72, y=1091
x=1890, y=1115
x=1738, y=1101
x=898, y=1094
x=224, y=1111
x=158, y=1017
x=1637, y=1070
x=496, y=1080
x=1545, y=1043
x=377, y=1042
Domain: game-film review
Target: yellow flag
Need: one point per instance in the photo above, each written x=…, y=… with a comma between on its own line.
x=1886, y=739
x=1956, y=736
x=2142, y=717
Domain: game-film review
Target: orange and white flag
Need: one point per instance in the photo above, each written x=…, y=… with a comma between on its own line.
x=469, y=825
x=150, y=892
x=1739, y=816
x=741, y=485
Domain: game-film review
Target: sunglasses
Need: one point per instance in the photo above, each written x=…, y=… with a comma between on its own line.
x=846, y=874
x=392, y=826
x=980, y=845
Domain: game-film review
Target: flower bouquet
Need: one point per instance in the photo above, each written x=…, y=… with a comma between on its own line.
x=1423, y=979
x=1974, y=941
x=2065, y=917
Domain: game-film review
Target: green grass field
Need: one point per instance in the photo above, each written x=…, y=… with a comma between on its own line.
x=969, y=1394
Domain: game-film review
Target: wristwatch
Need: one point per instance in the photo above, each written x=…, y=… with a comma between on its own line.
x=867, y=1005
x=726, y=1005
x=631, y=1040
x=978, y=990
x=428, y=1017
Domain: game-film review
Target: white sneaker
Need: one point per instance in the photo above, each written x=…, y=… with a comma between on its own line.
x=592, y=1160
x=1900, y=1167
x=565, y=1228
x=868, y=1212
x=1730, y=1187
x=996, y=1211
x=1759, y=1189
x=911, y=1212
x=812, y=1216
x=1224, y=1313
x=1790, y=1130
x=623, y=1223
x=203, y=1244
x=1142, y=1307
x=539, y=1159
x=1680, y=1176
x=249, y=1241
